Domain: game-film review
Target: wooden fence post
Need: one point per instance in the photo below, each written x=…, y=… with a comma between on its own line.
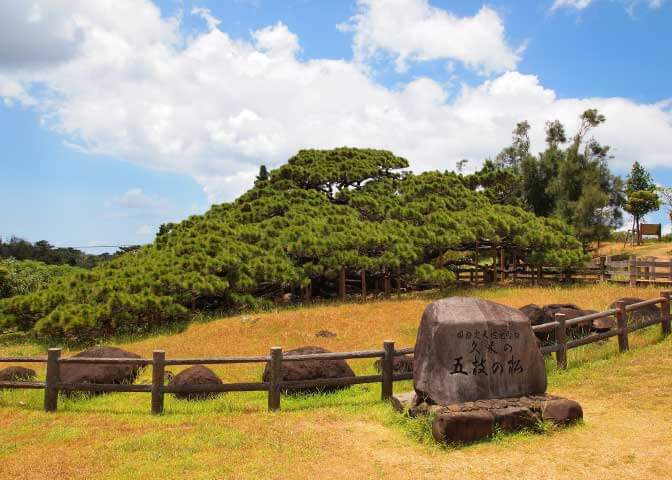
x=670, y=272
x=276, y=378
x=622, y=321
x=362, y=275
x=53, y=378
x=665, y=309
x=341, y=283
x=603, y=268
x=387, y=370
x=561, y=340
x=653, y=269
x=632, y=270
x=158, y=374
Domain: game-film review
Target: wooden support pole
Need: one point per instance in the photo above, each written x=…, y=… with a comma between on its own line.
x=53, y=378
x=476, y=262
x=622, y=321
x=386, y=282
x=494, y=265
x=276, y=378
x=341, y=283
x=362, y=275
x=665, y=309
x=387, y=370
x=603, y=268
x=561, y=340
x=502, y=264
x=653, y=269
x=398, y=282
x=515, y=267
x=308, y=291
x=158, y=374
x=670, y=271
x=632, y=270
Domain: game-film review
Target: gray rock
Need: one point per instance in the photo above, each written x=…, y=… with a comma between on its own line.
x=469, y=349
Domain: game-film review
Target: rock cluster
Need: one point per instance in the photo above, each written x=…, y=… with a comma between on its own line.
x=472, y=421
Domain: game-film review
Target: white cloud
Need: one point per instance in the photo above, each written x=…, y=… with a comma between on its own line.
x=577, y=4
x=215, y=108
x=413, y=30
x=583, y=4
x=135, y=200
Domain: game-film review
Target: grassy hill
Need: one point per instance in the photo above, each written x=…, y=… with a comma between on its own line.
x=351, y=434
x=650, y=248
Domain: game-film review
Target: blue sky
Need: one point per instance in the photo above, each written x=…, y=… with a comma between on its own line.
x=119, y=116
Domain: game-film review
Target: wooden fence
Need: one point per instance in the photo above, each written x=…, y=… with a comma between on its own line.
x=275, y=385
x=634, y=271
x=639, y=270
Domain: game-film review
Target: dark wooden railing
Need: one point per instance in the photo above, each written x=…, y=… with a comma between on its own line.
x=52, y=385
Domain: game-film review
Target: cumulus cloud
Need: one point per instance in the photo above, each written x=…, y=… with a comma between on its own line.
x=215, y=108
x=135, y=200
x=413, y=30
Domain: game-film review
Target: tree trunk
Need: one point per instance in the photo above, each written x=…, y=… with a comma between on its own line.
x=341, y=283
x=363, y=277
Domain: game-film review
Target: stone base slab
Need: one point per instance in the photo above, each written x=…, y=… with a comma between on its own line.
x=471, y=421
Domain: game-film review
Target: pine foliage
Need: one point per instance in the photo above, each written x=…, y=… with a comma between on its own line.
x=322, y=210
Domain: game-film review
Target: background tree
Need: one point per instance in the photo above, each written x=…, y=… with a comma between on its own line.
x=642, y=197
x=665, y=194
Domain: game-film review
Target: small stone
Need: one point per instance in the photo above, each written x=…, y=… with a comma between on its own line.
x=463, y=427
x=403, y=402
x=562, y=411
x=325, y=334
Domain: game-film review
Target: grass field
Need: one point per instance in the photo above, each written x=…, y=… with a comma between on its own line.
x=650, y=248
x=627, y=431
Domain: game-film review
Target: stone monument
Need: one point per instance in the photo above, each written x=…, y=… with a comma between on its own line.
x=478, y=367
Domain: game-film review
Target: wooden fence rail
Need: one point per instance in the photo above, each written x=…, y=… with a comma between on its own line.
x=52, y=385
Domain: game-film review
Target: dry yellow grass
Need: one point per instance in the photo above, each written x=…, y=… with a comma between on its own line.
x=649, y=248
x=627, y=398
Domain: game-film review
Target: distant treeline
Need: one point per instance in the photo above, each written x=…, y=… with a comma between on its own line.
x=43, y=251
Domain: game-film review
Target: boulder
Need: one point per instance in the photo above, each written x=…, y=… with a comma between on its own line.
x=570, y=311
x=17, y=374
x=463, y=427
x=640, y=315
x=196, y=375
x=535, y=314
x=400, y=364
x=103, y=372
x=470, y=349
x=311, y=370
x=562, y=411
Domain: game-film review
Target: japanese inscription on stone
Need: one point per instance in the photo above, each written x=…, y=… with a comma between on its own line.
x=469, y=349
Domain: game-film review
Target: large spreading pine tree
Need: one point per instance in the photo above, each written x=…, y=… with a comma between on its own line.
x=323, y=212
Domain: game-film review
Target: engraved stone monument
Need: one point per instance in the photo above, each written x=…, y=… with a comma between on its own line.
x=478, y=367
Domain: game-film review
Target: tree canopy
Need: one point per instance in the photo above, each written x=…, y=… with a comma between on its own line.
x=573, y=183
x=300, y=223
